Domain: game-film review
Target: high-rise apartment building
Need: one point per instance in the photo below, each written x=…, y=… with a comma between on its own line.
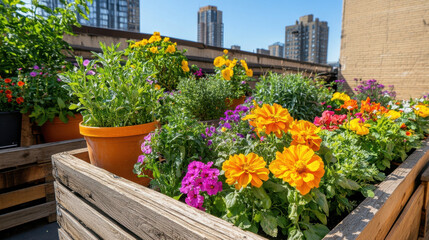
x=277, y=49
x=114, y=14
x=263, y=51
x=210, y=26
x=307, y=40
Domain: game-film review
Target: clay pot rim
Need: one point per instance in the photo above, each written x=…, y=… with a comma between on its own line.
x=118, y=131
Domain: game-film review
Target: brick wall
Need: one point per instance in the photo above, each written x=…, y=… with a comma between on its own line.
x=387, y=40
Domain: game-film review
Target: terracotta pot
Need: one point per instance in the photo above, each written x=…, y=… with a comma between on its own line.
x=233, y=103
x=58, y=131
x=116, y=149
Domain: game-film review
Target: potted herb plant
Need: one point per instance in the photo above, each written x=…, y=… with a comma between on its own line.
x=237, y=73
x=11, y=99
x=118, y=106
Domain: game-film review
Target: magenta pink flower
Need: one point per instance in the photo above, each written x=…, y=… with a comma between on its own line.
x=329, y=120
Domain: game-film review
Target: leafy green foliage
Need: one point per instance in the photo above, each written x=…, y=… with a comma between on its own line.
x=300, y=95
x=27, y=38
x=203, y=98
x=111, y=93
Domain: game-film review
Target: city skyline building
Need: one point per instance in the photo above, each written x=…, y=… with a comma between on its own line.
x=307, y=40
x=277, y=49
x=263, y=51
x=210, y=26
x=235, y=47
x=113, y=14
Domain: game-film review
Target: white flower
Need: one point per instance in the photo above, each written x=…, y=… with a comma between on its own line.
x=393, y=107
x=421, y=100
x=408, y=110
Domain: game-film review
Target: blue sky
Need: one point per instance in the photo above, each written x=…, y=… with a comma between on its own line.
x=249, y=23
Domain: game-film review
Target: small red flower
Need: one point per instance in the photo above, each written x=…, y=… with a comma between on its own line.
x=21, y=83
x=408, y=133
x=403, y=126
x=1, y=91
x=8, y=91
x=9, y=100
x=9, y=96
x=20, y=100
x=8, y=80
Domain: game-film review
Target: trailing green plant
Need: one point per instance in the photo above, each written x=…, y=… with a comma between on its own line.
x=111, y=92
x=28, y=38
x=204, y=98
x=301, y=95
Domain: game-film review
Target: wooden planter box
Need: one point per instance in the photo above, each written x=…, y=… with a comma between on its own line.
x=26, y=182
x=93, y=203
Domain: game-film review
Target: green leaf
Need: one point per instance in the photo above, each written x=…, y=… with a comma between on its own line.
x=348, y=184
x=61, y=103
x=295, y=234
x=269, y=224
x=322, y=201
x=242, y=222
x=260, y=194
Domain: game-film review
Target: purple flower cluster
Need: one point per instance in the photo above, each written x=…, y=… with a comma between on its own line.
x=209, y=132
x=145, y=147
x=371, y=89
x=199, y=73
x=235, y=115
x=200, y=178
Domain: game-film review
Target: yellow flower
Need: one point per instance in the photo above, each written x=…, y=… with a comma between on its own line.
x=233, y=63
x=166, y=39
x=249, y=72
x=422, y=110
x=340, y=96
x=154, y=49
x=157, y=87
x=270, y=119
x=141, y=43
x=305, y=133
x=299, y=166
x=361, y=128
x=219, y=61
x=223, y=129
x=227, y=73
x=156, y=34
x=244, y=64
x=227, y=62
x=133, y=66
x=225, y=51
x=185, y=66
x=155, y=37
x=170, y=49
x=242, y=170
x=392, y=114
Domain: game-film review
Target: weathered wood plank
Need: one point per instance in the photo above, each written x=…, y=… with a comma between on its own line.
x=40, y=153
x=72, y=226
x=13, y=198
x=373, y=218
x=19, y=217
x=407, y=225
x=62, y=235
x=143, y=211
x=98, y=223
x=22, y=175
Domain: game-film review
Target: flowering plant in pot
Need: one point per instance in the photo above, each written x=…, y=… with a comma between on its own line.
x=237, y=73
x=118, y=106
x=162, y=56
x=47, y=103
x=11, y=100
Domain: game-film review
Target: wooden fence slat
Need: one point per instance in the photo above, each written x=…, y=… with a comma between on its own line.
x=40, y=153
x=72, y=226
x=13, y=198
x=63, y=235
x=373, y=218
x=98, y=223
x=24, y=175
x=143, y=211
x=407, y=225
x=19, y=217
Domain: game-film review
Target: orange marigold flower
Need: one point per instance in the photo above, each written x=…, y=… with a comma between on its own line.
x=305, y=133
x=270, y=118
x=403, y=126
x=350, y=105
x=299, y=166
x=7, y=80
x=21, y=83
x=242, y=170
